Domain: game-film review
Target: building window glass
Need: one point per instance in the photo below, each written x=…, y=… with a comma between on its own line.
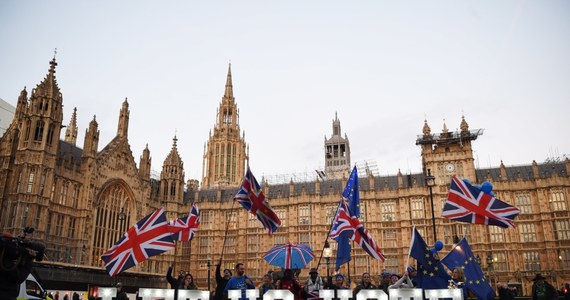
x=362, y=217
x=282, y=214
x=558, y=200
x=279, y=239
x=205, y=245
x=499, y=260
x=305, y=215
x=564, y=257
x=527, y=232
x=497, y=234
x=531, y=261
x=30, y=181
x=522, y=202
x=206, y=219
x=388, y=211
x=417, y=209
x=253, y=243
x=305, y=238
x=391, y=265
x=330, y=212
x=562, y=229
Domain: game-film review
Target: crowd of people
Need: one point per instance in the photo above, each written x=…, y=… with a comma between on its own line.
x=308, y=289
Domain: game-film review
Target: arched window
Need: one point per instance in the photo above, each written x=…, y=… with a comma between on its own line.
x=112, y=220
x=39, y=131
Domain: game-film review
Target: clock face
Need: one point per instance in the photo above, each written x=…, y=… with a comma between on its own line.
x=450, y=167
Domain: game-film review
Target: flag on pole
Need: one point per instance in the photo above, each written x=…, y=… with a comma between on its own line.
x=253, y=200
x=148, y=237
x=352, y=194
x=345, y=225
x=431, y=273
x=466, y=203
x=184, y=229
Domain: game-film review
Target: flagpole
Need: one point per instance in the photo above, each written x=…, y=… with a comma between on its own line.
x=327, y=237
x=226, y=231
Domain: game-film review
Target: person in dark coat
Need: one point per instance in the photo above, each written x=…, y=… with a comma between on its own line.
x=221, y=281
x=121, y=294
x=542, y=290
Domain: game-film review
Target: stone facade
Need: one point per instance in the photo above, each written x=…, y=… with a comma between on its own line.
x=81, y=200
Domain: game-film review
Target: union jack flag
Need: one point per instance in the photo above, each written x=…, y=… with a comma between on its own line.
x=148, y=237
x=466, y=203
x=347, y=225
x=253, y=200
x=183, y=229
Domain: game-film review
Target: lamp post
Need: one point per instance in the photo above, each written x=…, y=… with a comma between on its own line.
x=430, y=182
x=209, y=265
x=327, y=254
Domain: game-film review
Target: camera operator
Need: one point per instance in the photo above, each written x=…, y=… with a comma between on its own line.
x=16, y=257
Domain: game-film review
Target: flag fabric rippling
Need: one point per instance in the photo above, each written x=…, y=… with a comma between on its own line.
x=431, y=273
x=184, y=229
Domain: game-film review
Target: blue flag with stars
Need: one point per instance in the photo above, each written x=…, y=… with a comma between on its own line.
x=461, y=256
x=351, y=193
x=431, y=273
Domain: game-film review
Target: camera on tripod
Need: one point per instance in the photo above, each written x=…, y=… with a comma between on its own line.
x=23, y=245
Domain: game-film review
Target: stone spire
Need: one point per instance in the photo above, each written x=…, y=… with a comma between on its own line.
x=464, y=126
x=426, y=129
x=123, y=128
x=71, y=131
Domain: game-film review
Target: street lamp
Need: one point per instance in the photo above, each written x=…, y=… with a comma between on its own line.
x=430, y=182
x=327, y=254
x=209, y=265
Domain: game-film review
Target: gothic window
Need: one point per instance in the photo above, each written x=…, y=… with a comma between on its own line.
x=39, y=131
x=228, y=160
x=362, y=217
x=253, y=243
x=206, y=219
x=173, y=189
x=330, y=213
x=25, y=215
x=527, y=232
x=305, y=215
x=557, y=200
x=50, y=134
x=282, y=214
x=251, y=220
x=112, y=219
x=391, y=265
x=19, y=183
x=231, y=244
x=417, y=209
x=27, y=131
x=279, y=239
x=30, y=181
x=217, y=162
x=38, y=216
x=305, y=237
x=564, y=257
x=496, y=234
x=71, y=228
x=231, y=217
x=234, y=163
x=522, y=202
x=500, y=259
x=42, y=183
x=59, y=225
x=562, y=229
x=388, y=211
x=531, y=261
x=205, y=245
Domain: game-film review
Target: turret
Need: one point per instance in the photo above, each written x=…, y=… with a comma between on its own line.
x=71, y=131
x=144, y=165
x=91, y=141
x=123, y=128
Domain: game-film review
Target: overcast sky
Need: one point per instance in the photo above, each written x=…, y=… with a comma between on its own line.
x=383, y=66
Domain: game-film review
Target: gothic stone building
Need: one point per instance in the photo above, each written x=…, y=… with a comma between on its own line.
x=82, y=199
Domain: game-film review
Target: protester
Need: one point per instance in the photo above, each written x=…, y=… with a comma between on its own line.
x=266, y=285
x=505, y=293
x=413, y=274
x=542, y=290
x=458, y=281
x=121, y=294
x=188, y=282
x=240, y=281
x=386, y=282
x=566, y=291
x=175, y=283
x=15, y=266
x=289, y=282
x=398, y=282
x=365, y=284
x=221, y=281
x=313, y=284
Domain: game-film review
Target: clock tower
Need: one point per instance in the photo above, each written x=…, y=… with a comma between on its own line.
x=448, y=153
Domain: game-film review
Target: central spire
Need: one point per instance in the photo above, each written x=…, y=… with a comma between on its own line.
x=229, y=92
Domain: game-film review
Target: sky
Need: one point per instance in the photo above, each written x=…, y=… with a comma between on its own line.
x=382, y=66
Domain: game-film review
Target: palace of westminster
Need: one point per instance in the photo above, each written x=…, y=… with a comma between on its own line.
x=82, y=198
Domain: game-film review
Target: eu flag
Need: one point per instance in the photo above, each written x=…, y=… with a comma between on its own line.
x=431, y=273
x=352, y=194
x=461, y=256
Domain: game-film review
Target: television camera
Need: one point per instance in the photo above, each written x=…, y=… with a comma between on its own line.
x=23, y=246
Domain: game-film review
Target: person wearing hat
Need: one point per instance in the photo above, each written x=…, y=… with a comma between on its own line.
x=542, y=290
x=121, y=294
x=365, y=284
x=313, y=284
x=413, y=274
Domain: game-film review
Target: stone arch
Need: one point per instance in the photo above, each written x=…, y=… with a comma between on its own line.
x=114, y=213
